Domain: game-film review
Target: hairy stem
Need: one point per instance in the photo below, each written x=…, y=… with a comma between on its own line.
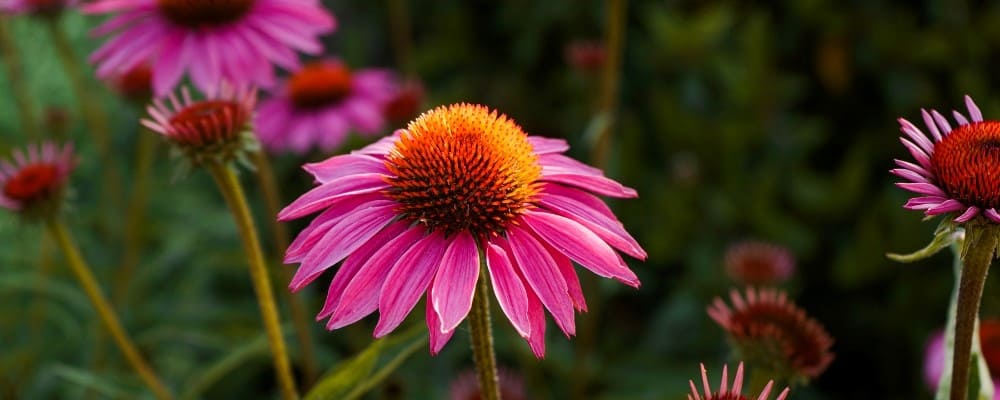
x=482, y=341
x=980, y=245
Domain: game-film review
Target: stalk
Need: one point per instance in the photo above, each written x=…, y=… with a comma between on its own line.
x=482, y=341
x=977, y=255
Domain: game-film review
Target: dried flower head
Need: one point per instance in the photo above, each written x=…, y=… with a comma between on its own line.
x=216, y=129
x=725, y=392
x=759, y=263
x=34, y=179
x=769, y=330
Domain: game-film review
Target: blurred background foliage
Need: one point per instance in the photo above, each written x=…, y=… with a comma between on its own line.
x=737, y=120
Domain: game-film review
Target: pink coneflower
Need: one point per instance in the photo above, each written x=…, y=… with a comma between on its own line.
x=758, y=263
x=727, y=393
x=236, y=41
x=36, y=7
x=136, y=84
x=989, y=338
x=956, y=168
x=466, y=386
x=217, y=127
x=34, y=179
x=321, y=103
x=412, y=213
x=775, y=332
x=405, y=104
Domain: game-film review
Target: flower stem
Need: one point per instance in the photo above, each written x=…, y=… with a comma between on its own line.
x=980, y=245
x=18, y=85
x=95, y=119
x=611, y=79
x=104, y=310
x=231, y=190
x=482, y=341
x=135, y=214
x=272, y=201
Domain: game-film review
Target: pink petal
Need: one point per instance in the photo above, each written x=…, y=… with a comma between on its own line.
x=334, y=214
x=591, y=212
x=931, y=126
x=339, y=166
x=974, y=113
x=580, y=244
x=544, y=145
x=408, y=279
x=969, y=213
x=913, y=167
x=917, y=153
x=942, y=122
x=323, y=195
x=561, y=163
x=572, y=280
x=508, y=288
x=343, y=238
x=922, y=188
x=542, y=274
x=597, y=184
x=959, y=118
x=455, y=281
x=946, y=207
x=361, y=296
x=916, y=135
x=992, y=214
x=349, y=269
x=907, y=174
x=438, y=338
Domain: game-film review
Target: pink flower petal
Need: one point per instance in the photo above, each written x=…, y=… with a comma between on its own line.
x=542, y=275
x=361, y=296
x=922, y=188
x=597, y=184
x=544, y=145
x=323, y=195
x=969, y=213
x=455, y=281
x=438, y=338
x=931, y=126
x=592, y=213
x=340, y=166
x=974, y=113
x=580, y=244
x=946, y=207
x=508, y=288
x=305, y=243
x=408, y=279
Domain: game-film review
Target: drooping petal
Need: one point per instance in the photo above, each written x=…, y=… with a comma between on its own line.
x=542, y=274
x=455, y=281
x=580, y=244
x=438, y=337
x=408, y=280
x=591, y=212
x=323, y=195
x=340, y=166
x=509, y=290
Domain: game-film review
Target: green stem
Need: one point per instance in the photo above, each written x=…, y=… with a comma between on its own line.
x=980, y=245
x=232, y=191
x=135, y=213
x=104, y=310
x=89, y=103
x=300, y=320
x=18, y=84
x=610, y=79
x=482, y=341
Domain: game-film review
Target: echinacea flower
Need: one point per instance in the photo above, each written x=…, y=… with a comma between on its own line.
x=414, y=212
x=321, y=103
x=46, y=8
x=758, y=263
x=405, y=103
x=236, y=41
x=769, y=330
x=725, y=392
x=956, y=167
x=466, y=386
x=135, y=84
x=989, y=338
x=34, y=179
x=214, y=129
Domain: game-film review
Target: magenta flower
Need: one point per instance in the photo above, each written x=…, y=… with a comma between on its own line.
x=414, y=212
x=956, y=168
x=727, y=393
x=35, y=179
x=226, y=40
x=320, y=103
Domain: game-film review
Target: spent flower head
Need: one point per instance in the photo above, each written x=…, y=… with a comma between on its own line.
x=413, y=214
x=770, y=331
x=34, y=179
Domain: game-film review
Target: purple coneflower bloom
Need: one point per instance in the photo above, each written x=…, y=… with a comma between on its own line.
x=414, y=212
x=217, y=127
x=956, y=167
x=230, y=40
x=727, y=393
x=321, y=103
x=36, y=177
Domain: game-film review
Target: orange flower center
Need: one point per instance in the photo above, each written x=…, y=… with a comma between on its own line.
x=208, y=122
x=463, y=168
x=32, y=182
x=319, y=84
x=204, y=13
x=966, y=162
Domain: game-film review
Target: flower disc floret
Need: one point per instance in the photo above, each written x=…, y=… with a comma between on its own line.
x=463, y=168
x=33, y=181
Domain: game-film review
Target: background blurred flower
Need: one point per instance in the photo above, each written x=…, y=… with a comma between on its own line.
x=465, y=386
x=405, y=104
x=34, y=178
x=321, y=103
x=586, y=55
x=410, y=213
x=235, y=40
x=989, y=337
x=36, y=7
x=135, y=84
x=725, y=392
x=773, y=333
x=957, y=167
x=758, y=263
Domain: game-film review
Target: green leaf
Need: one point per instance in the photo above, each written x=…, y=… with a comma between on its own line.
x=97, y=383
x=258, y=347
x=354, y=377
x=944, y=237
